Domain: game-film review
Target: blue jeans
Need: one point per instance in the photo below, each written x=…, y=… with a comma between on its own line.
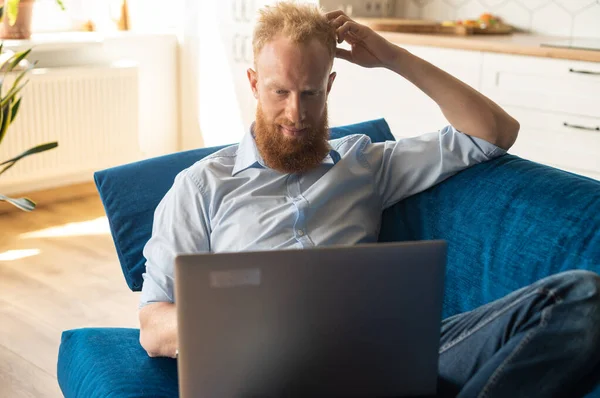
x=539, y=341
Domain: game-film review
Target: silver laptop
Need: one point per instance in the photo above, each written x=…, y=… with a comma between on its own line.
x=351, y=321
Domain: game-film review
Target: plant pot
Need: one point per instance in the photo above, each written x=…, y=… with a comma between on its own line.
x=22, y=27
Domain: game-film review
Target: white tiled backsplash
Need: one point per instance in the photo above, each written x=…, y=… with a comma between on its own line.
x=570, y=18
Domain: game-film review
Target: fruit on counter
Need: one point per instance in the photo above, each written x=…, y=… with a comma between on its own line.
x=484, y=20
x=489, y=19
x=463, y=22
x=471, y=22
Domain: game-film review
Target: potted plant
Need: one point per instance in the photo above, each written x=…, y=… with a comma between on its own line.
x=9, y=108
x=17, y=18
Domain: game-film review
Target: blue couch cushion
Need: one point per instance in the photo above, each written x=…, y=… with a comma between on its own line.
x=130, y=194
x=508, y=222
x=110, y=362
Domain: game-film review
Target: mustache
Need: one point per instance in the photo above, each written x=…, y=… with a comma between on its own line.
x=297, y=126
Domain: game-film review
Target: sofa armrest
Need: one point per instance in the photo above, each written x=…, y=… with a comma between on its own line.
x=110, y=362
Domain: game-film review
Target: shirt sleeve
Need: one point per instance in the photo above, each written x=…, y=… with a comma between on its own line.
x=408, y=166
x=179, y=227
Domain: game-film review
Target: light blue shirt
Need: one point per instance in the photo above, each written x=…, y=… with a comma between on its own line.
x=230, y=201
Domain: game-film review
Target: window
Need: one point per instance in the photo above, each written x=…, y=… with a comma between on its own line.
x=145, y=15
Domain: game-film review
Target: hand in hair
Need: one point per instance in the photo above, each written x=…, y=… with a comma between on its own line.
x=368, y=49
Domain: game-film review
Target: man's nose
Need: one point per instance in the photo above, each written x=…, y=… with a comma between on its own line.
x=295, y=111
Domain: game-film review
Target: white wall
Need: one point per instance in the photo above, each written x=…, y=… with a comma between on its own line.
x=156, y=55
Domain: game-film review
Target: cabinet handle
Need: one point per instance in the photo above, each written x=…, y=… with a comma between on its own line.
x=585, y=72
x=243, y=11
x=235, y=49
x=577, y=126
x=248, y=53
x=233, y=10
x=251, y=8
x=242, y=56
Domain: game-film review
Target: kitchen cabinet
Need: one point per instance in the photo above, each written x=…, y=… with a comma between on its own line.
x=553, y=85
x=556, y=102
x=359, y=94
x=547, y=138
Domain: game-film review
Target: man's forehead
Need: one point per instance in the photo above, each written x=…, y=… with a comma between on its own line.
x=282, y=58
x=282, y=44
x=309, y=81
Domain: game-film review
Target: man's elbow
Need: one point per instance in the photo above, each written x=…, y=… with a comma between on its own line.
x=149, y=342
x=507, y=133
x=148, y=338
x=158, y=329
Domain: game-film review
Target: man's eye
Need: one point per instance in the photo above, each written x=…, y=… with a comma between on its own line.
x=280, y=92
x=310, y=93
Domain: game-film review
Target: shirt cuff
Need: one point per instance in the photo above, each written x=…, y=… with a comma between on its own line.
x=490, y=150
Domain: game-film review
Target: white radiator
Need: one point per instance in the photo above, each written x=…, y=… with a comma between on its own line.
x=92, y=112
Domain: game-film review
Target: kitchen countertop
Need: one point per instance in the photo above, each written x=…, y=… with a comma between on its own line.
x=516, y=43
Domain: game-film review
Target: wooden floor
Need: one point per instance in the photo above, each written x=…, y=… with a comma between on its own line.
x=74, y=281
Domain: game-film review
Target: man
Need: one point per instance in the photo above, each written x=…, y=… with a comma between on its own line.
x=286, y=186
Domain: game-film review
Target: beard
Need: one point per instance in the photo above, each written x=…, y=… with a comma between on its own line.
x=291, y=154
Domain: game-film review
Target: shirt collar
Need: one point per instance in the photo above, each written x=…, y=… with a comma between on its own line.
x=247, y=155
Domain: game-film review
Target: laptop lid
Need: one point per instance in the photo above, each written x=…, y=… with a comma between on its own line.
x=351, y=321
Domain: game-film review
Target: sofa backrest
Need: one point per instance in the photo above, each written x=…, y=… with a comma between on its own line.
x=130, y=194
x=508, y=222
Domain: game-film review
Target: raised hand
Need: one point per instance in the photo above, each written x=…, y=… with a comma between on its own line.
x=368, y=49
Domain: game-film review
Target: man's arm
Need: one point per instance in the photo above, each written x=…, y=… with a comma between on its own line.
x=179, y=227
x=158, y=329
x=465, y=108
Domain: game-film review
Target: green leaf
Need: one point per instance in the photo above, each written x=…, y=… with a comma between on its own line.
x=34, y=150
x=18, y=57
x=2, y=79
x=60, y=4
x=21, y=76
x=5, y=119
x=40, y=148
x=11, y=94
x=12, y=11
x=15, y=109
x=24, y=204
x=2, y=131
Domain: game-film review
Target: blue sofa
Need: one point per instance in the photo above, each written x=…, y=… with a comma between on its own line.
x=508, y=222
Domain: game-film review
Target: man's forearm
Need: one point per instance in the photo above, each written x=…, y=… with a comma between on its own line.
x=158, y=329
x=465, y=108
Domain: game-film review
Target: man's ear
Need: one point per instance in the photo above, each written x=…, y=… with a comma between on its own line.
x=253, y=79
x=332, y=76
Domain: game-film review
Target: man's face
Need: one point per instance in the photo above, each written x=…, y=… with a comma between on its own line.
x=291, y=84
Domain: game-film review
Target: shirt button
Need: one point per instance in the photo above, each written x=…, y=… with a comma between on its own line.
x=300, y=232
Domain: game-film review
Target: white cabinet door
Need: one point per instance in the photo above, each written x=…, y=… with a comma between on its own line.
x=554, y=85
x=560, y=140
x=557, y=103
x=359, y=94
